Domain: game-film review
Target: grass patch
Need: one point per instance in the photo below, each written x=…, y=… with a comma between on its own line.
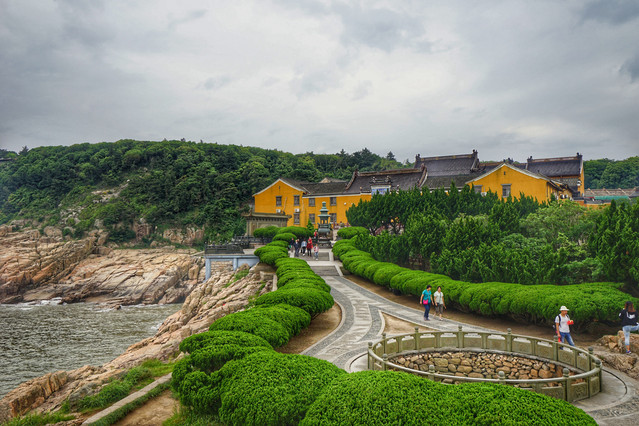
x=186, y=417
x=117, y=389
x=157, y=367
x=39, y=419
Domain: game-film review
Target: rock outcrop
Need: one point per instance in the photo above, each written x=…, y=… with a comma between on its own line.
x=613, y=353
x=35, y=266
x=220, y=295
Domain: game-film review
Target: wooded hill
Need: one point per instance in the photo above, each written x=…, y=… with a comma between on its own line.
x=167, y=183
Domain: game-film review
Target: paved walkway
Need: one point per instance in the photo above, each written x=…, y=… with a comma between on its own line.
x=362, y=322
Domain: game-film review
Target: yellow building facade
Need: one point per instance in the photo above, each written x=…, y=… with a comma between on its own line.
x=508, y=180
x=286, y=196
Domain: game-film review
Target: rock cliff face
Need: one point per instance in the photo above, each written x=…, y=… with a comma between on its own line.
x=39, y=267
x=208, y=301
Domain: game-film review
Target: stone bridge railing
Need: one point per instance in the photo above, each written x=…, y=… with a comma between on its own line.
x=584, y=382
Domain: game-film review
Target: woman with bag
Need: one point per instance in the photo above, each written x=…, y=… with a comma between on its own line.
x=426, y=299
x=628, y=318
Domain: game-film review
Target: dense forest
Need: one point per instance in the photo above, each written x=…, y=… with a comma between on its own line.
x=476, y=238
x=610, y=174
x=167, y=183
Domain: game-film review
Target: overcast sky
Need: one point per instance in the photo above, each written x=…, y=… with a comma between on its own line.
x=508, y=78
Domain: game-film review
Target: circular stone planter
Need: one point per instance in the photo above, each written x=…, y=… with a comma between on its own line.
x=540, y=365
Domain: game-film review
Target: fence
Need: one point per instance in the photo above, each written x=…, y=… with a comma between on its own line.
x=583, y=385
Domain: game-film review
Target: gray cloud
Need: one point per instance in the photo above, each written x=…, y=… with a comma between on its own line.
x=615, y=12
x=510, y=79
x=631, y=68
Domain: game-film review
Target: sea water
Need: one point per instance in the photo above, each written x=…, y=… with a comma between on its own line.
x=41, y=338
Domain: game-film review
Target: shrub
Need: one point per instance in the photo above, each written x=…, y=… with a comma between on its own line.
x=532, y=303
x=352, y=231
x=268, y=232
x=284, y=236
x=298, y=231
x=306, y=283
x=211, y=338
x=271, y=252
x=390, y=397
x=293, y=318
x=256, y=322
x=270, y=388
x=312, y=301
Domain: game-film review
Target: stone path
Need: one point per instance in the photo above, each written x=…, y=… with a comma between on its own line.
x=362, y=322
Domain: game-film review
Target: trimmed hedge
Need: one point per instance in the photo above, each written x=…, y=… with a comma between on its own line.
x=284, y=236
x=391, y=397
x=210, y=338
x=299, y=231
x=267, y=232
x=531, y=303
x=269, y=388
x=352, y=231
x=313, y=301
x=271, y=252
x=254, y=322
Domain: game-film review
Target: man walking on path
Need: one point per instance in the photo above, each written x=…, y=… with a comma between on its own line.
x=562, y=325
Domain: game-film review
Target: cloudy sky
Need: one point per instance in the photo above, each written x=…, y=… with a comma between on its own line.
x=508, y=78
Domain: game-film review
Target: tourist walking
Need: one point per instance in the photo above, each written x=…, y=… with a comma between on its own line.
x=562, y=325
x=316, y=251
x=309, y=247
x=438, y=298
x=628, y=318
x=426, y=299
x=297, y=247
x=303, y=247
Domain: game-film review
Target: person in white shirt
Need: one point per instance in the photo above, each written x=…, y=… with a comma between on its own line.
x=438, y=298
x=562, y=325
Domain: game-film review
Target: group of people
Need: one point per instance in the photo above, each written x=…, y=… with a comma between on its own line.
x=628, y=316
x=305, y=247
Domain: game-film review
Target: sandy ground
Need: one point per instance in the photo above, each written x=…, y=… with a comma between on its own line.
x=153, y=412
x=320, y=327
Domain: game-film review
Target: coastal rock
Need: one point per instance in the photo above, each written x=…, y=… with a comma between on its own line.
x=35, y=267
x=208, y=301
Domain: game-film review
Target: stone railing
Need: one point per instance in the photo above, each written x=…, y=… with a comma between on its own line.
x=585, y=367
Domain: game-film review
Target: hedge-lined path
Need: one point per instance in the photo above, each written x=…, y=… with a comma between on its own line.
x=363, y=322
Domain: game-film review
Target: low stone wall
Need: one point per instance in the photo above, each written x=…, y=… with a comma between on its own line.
x=482, y=365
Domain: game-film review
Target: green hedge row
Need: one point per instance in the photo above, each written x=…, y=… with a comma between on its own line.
x=275, y=318
x=396, y=398
x=285, y=236
x=298, y=231
x=531, y=303
x=352, y=231
x=267, y=232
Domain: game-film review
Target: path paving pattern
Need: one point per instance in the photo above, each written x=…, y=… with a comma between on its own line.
x=362, y=322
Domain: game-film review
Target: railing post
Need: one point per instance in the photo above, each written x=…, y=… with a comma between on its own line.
x=598, y=364
x=502, y=378
x=370, y=358
x=438, y=335
x=384, y=342
x=416, y=338
x=509, y=341
x=484, y=340
x=567, y=385
x=384, y=361
x=431, y=372
x=460, y=337
x=591, y=354
x=555, y=351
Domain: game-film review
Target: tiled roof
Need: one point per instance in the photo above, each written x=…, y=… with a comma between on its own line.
x=619, y=192
x=445, y=181
x=449, y=165
x=556, y=167
x=404, y=179
x=317, y=188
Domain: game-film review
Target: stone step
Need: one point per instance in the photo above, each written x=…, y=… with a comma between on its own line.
x=324, y=271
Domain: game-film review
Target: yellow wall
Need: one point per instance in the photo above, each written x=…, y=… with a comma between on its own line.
x=520, y=182
x=265, y=203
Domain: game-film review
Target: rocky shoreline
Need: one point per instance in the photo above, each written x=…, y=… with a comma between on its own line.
x=40, y=267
